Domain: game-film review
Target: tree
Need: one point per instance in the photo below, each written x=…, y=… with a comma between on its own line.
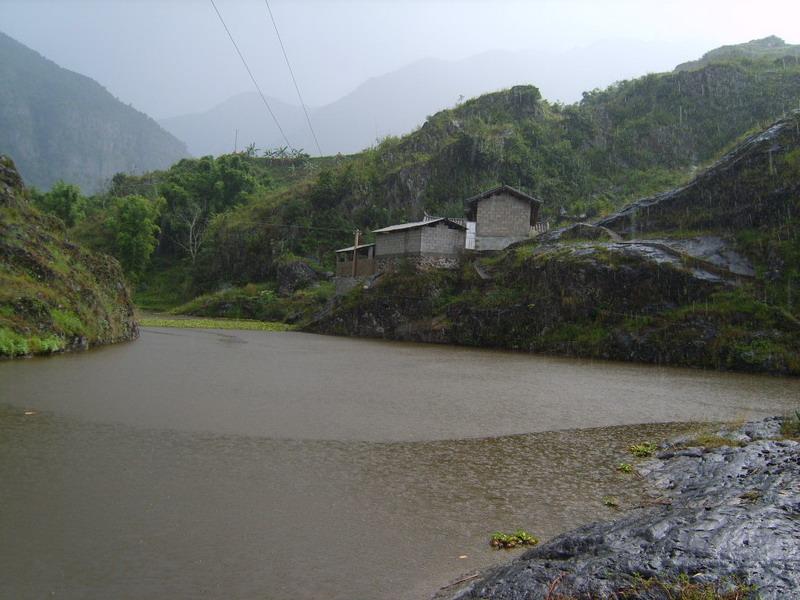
x=133, y=221
x=64, y=200
x=193, y=229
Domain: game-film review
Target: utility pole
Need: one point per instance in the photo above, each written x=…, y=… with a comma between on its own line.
x=236, y=142
x=355, y=253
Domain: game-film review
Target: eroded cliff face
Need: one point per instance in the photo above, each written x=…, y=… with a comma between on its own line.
x=757, y=185
x=54, y=295
x=711, y=285
x=613, y=300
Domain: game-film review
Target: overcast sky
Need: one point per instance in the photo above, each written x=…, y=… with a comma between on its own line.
x=171, y=57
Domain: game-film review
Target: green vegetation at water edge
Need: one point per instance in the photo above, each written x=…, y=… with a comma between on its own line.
x=643, y=449
x=260, y=302
x=54, y=294
x=212, y=324
x=512, y=540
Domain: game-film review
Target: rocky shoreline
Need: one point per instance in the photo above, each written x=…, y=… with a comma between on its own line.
x=724, y=518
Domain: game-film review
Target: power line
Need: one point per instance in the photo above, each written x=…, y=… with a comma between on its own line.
x=291, y=72
x=253, y=79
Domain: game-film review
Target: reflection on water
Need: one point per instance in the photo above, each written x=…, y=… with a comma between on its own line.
x=300, y=386
x=252, y=465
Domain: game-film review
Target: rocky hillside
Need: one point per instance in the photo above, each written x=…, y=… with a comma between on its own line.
x=721, y=295
x=54, y=295
x=631, y=140
x=57, y=124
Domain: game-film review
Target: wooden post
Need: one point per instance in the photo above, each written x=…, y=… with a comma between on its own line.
x=355, y=254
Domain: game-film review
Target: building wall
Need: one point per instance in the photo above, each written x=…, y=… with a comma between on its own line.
x=399, y=243
x=442, y=240
x=501, y=220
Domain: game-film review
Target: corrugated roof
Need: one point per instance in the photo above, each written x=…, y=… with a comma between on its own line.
x=350, y=248
x=418, y=224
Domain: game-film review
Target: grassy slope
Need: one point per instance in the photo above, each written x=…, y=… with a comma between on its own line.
x=633, y=139
x=54, y=295
x=591, y=299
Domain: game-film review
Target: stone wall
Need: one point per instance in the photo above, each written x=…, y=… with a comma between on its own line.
x=420, y=263
x=501, y=220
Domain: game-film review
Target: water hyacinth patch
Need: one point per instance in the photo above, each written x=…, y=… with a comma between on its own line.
x=512, y=540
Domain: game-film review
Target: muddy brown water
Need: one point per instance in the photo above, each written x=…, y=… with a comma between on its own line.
x=211, y=464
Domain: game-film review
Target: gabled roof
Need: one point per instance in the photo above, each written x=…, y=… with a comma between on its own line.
x=472, y=203
x=502, y=189
x=350, y=248
x=416, y=224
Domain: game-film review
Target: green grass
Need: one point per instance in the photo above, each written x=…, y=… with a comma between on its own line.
x=213, y=324
x=163, y=287
x=711, y=441
x=683, y=588
x=643, y=450
x=15, y=344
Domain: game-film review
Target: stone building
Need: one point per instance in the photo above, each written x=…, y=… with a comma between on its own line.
x=502, y=216
x=434, y=242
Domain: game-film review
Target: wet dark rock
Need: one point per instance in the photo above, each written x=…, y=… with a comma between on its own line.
x=295, y=275
x=580, y=231
x=724, y=514
x=10, y=182
x=753, y=186
x=715, y=250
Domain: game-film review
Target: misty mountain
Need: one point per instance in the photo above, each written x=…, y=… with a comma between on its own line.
x=57, y=124
x=399, y=101
x=215, y=131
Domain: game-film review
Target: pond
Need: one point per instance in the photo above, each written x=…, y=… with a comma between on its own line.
x=198, y=463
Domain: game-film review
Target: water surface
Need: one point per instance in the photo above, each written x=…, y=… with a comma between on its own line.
x=280, y=465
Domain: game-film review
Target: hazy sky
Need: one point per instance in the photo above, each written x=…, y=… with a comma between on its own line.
x=170, y=57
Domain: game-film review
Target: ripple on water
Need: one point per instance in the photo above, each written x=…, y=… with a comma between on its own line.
x=116, y=511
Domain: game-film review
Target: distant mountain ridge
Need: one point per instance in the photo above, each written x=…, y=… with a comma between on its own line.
x=397, y=102
x=768, y=48
x=57, y=124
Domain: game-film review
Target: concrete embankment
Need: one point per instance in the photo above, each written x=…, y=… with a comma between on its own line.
x=722, y=520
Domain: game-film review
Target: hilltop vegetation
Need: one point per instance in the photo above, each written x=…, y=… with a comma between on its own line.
x=633, y=139
x=54, y=294
x=770, y=49
x=231, y=227
x=672, y=292
x=57, y=124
